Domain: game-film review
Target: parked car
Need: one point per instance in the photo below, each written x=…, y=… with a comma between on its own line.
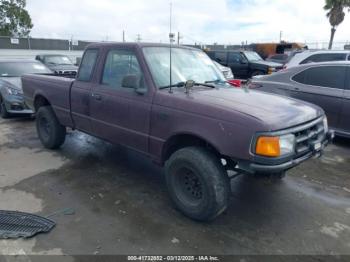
x=11, y=94
x=324, y=84
x=244, y=64
x=307, y=57
x=196, y=125
x=283, y=58
x=226, y=71
x=59, y=64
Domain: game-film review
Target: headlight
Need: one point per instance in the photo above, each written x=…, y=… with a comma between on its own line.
x=13, y=91
x=271, y=70
x=287, y=144
x=325, y=124
x=275, y=146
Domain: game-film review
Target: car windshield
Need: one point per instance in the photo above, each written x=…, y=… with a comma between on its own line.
x=253, y=56
x=187, y=64
x=17, y=69
x=58, y=60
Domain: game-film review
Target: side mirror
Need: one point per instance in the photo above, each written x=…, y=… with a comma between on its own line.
x=134, y=81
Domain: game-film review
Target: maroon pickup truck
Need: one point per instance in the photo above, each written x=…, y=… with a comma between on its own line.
x=198, y=127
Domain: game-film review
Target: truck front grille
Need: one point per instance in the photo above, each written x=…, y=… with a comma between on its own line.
x=307, y=137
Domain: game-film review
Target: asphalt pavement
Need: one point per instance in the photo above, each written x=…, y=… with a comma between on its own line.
x=108, y=200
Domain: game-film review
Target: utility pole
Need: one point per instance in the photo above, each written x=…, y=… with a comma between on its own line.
x=178, y=38
x=281, y=33
x=138, y=39
x=123, y=36
x=71, y=44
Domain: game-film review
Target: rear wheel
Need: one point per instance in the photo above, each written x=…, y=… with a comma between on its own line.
x=51, y=133
x=3, y=111
x=197, y=183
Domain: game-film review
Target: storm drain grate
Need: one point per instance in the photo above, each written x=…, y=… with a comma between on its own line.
x=15, y=224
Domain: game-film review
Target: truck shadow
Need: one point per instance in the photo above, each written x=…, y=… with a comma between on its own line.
x=342, y=142
x=134, y=179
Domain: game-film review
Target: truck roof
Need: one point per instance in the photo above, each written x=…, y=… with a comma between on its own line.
x=136, y=45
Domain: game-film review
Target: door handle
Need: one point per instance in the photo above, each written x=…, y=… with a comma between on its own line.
x=97, y=96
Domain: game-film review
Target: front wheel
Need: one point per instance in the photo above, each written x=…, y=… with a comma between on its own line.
x=3, y=111
x=197, y=183
x=51, y=133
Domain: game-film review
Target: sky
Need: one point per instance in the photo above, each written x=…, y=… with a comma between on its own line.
x=198, y=21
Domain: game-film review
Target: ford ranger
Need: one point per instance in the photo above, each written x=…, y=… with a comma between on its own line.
x=174, y=105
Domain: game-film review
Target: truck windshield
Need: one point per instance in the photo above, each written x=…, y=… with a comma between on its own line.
x=252, y=56
x=187, y=64
x=58, y=60
x=17, y=69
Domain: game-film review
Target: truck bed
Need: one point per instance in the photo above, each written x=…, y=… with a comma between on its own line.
x=55, y=89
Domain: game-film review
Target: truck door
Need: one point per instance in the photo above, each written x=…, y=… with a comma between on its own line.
x=118, y=113
x=238, y=64
x=344, y=117
x=81, y=92
x=323, y=86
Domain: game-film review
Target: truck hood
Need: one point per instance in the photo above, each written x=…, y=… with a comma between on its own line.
x=267, y=63
x=274, y=111
x=63, y=67
x=14, y=82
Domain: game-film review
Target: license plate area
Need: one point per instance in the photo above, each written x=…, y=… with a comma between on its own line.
x=317, y=147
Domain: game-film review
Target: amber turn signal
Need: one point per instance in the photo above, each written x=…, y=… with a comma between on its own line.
x=268, y=146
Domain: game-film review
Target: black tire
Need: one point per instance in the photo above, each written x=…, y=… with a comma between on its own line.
x=3, y=111
x=197, y=183
x=257, y=73
x=51, y=133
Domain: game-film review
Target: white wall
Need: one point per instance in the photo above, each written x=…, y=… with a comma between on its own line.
x=30, y=54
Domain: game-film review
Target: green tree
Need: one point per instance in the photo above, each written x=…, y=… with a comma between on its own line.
x=14, y=18
x=335, y=15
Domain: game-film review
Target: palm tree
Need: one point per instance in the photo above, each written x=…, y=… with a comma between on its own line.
x=335, y=15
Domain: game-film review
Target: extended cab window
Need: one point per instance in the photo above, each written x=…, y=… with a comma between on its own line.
x=325, y=76
x=119, y=64
x=325, y=58
x=87, y=65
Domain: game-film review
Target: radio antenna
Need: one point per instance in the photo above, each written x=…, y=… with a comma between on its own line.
x=171, y=38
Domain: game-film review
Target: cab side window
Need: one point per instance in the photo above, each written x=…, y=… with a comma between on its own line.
x=221, y=57
x=87, y=65
x=324, y=76
x=234, y=58
x=119, y=65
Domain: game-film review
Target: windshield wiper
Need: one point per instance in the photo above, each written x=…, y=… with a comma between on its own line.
x=217, y=81
x=180, y=84
x=207, y=84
